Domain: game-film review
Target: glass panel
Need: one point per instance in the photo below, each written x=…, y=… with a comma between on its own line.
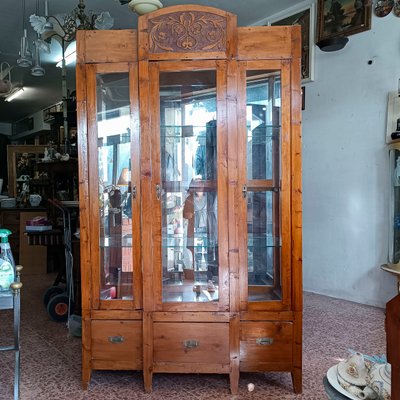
x=188, y=138
x=263, y=119
x=114, y=163
x=394, y=234
x=263, y=173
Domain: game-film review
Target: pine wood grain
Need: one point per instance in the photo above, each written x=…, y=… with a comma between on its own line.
x=227, y=329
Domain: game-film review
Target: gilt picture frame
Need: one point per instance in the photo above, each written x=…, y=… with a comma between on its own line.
x=304, y=15
x=342, y=18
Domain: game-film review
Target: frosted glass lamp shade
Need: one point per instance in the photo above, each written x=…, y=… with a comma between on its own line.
x=141, y=7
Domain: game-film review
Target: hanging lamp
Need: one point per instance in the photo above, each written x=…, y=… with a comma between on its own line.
x=37, y=69
x=25, y=56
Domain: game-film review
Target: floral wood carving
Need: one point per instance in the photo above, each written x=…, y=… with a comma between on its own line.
x=187, y=32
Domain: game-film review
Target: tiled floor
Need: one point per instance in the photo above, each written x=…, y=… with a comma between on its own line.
x=50, y=358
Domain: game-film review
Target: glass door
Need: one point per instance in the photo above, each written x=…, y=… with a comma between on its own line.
x=187, y=158
x=114, y=181
x=266, y=185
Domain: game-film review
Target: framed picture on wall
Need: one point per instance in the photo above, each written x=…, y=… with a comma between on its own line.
x=303, y=15
x=342, y=18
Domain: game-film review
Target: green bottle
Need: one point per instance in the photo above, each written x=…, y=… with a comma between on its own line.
x=7, y=264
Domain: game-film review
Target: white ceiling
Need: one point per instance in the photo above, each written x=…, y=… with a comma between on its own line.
x=41, y=92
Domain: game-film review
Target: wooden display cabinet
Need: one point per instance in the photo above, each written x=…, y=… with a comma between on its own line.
x=190, y=196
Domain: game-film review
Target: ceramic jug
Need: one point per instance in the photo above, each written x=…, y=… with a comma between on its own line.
x=35, y=199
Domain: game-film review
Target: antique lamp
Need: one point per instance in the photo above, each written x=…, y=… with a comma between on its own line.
x=124, y=180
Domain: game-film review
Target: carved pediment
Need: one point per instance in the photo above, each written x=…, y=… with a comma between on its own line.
x=188, y=31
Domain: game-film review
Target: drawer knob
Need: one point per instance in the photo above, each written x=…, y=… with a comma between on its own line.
x=191, y=344
x=265, y=341
x=116, y=339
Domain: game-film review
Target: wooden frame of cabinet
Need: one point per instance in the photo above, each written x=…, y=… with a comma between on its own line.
x=235, y=332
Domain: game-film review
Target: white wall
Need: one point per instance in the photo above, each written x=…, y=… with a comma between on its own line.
x=345, y=164
x=5, y=128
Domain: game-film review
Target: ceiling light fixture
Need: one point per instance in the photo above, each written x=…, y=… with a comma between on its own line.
x=5, y=79
x=64, y=28
x=142, y=7
x=25, y=56
x=69, y=59
x=14, y=94
x=37, y=69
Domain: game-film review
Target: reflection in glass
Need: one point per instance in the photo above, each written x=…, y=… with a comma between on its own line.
x=114, y=166
x=188, y=138
x=263, y=102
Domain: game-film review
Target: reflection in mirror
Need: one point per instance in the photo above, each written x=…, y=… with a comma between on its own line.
x=263, y=111
x=188, y=139
x=114, y=169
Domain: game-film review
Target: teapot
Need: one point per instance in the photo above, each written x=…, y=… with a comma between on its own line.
x=352, y=375
x=380, y=381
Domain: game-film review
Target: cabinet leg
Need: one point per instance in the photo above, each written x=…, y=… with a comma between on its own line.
x=234, y=380
x=297, y=380
x=148, y=381
x=86, y=376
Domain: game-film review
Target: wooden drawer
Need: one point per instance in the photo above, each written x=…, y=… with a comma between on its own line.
x=266, y=343
x=194, y=342
x=117, y=344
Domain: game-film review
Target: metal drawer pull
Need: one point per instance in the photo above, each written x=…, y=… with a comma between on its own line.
x=265, y=341
x=116, y=339
x=191, y=344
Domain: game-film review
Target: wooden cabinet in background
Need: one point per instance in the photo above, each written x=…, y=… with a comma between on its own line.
x=54, y=179
x=190, y=196
x=33, y=258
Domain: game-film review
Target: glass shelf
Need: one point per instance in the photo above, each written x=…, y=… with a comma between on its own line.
x=180, y=241
x=183, y=132
x=196, y=292
x=106, y=242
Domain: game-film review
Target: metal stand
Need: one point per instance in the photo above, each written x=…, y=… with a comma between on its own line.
x=7, y=302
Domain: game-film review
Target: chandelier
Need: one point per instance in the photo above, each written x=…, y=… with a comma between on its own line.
x=64, y=27
x=67, y=26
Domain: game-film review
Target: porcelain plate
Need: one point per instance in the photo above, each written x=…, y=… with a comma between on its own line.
x=332, y=379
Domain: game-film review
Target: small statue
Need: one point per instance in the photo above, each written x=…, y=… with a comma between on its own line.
x=46, y=155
